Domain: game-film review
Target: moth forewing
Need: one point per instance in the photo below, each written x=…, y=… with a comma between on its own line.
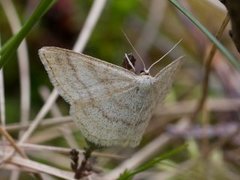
x=170, y=68
x=78, y=76
x=164, y=78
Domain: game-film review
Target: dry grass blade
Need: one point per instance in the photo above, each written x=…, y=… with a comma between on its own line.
x=55, y=111
x=89, y=25
x=44, y=123
x=186, y=108
x=51, y=100
x=45, y=93
x=2, y=100
x=36, y=147
x=41, y=168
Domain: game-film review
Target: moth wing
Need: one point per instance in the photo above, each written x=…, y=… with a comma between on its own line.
x=78, y=76
x=120, y=119
x=165, y=78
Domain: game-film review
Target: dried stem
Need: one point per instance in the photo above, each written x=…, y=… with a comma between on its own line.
x=62, y=150
x=89, y=25
x=2, y=100
x=55, y=111
x=205, y=85
x=44, y=123
x=208, y=70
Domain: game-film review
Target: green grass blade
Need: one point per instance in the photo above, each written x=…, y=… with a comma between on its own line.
x=128, y=175
x=210, y=36
x=12, y=44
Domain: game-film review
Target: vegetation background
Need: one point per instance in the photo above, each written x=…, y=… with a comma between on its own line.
x=202, y=109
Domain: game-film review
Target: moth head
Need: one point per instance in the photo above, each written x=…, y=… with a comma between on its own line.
x=145, y=71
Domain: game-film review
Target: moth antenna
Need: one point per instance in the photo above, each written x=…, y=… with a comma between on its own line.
x=144, y=67
x=129, y=62
x=164, y=55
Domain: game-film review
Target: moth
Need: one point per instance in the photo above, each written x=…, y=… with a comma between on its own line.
x=111, y=105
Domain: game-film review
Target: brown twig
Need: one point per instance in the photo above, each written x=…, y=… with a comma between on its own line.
x=205, y=85
x=208, y=70
x=204, y=95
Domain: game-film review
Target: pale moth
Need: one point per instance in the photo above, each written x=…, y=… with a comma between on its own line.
x=111, y=105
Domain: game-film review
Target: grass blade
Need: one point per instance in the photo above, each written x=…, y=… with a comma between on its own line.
x=128, y=175
x=210, y=36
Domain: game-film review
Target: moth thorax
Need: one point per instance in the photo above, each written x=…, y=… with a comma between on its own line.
x=146, y=80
